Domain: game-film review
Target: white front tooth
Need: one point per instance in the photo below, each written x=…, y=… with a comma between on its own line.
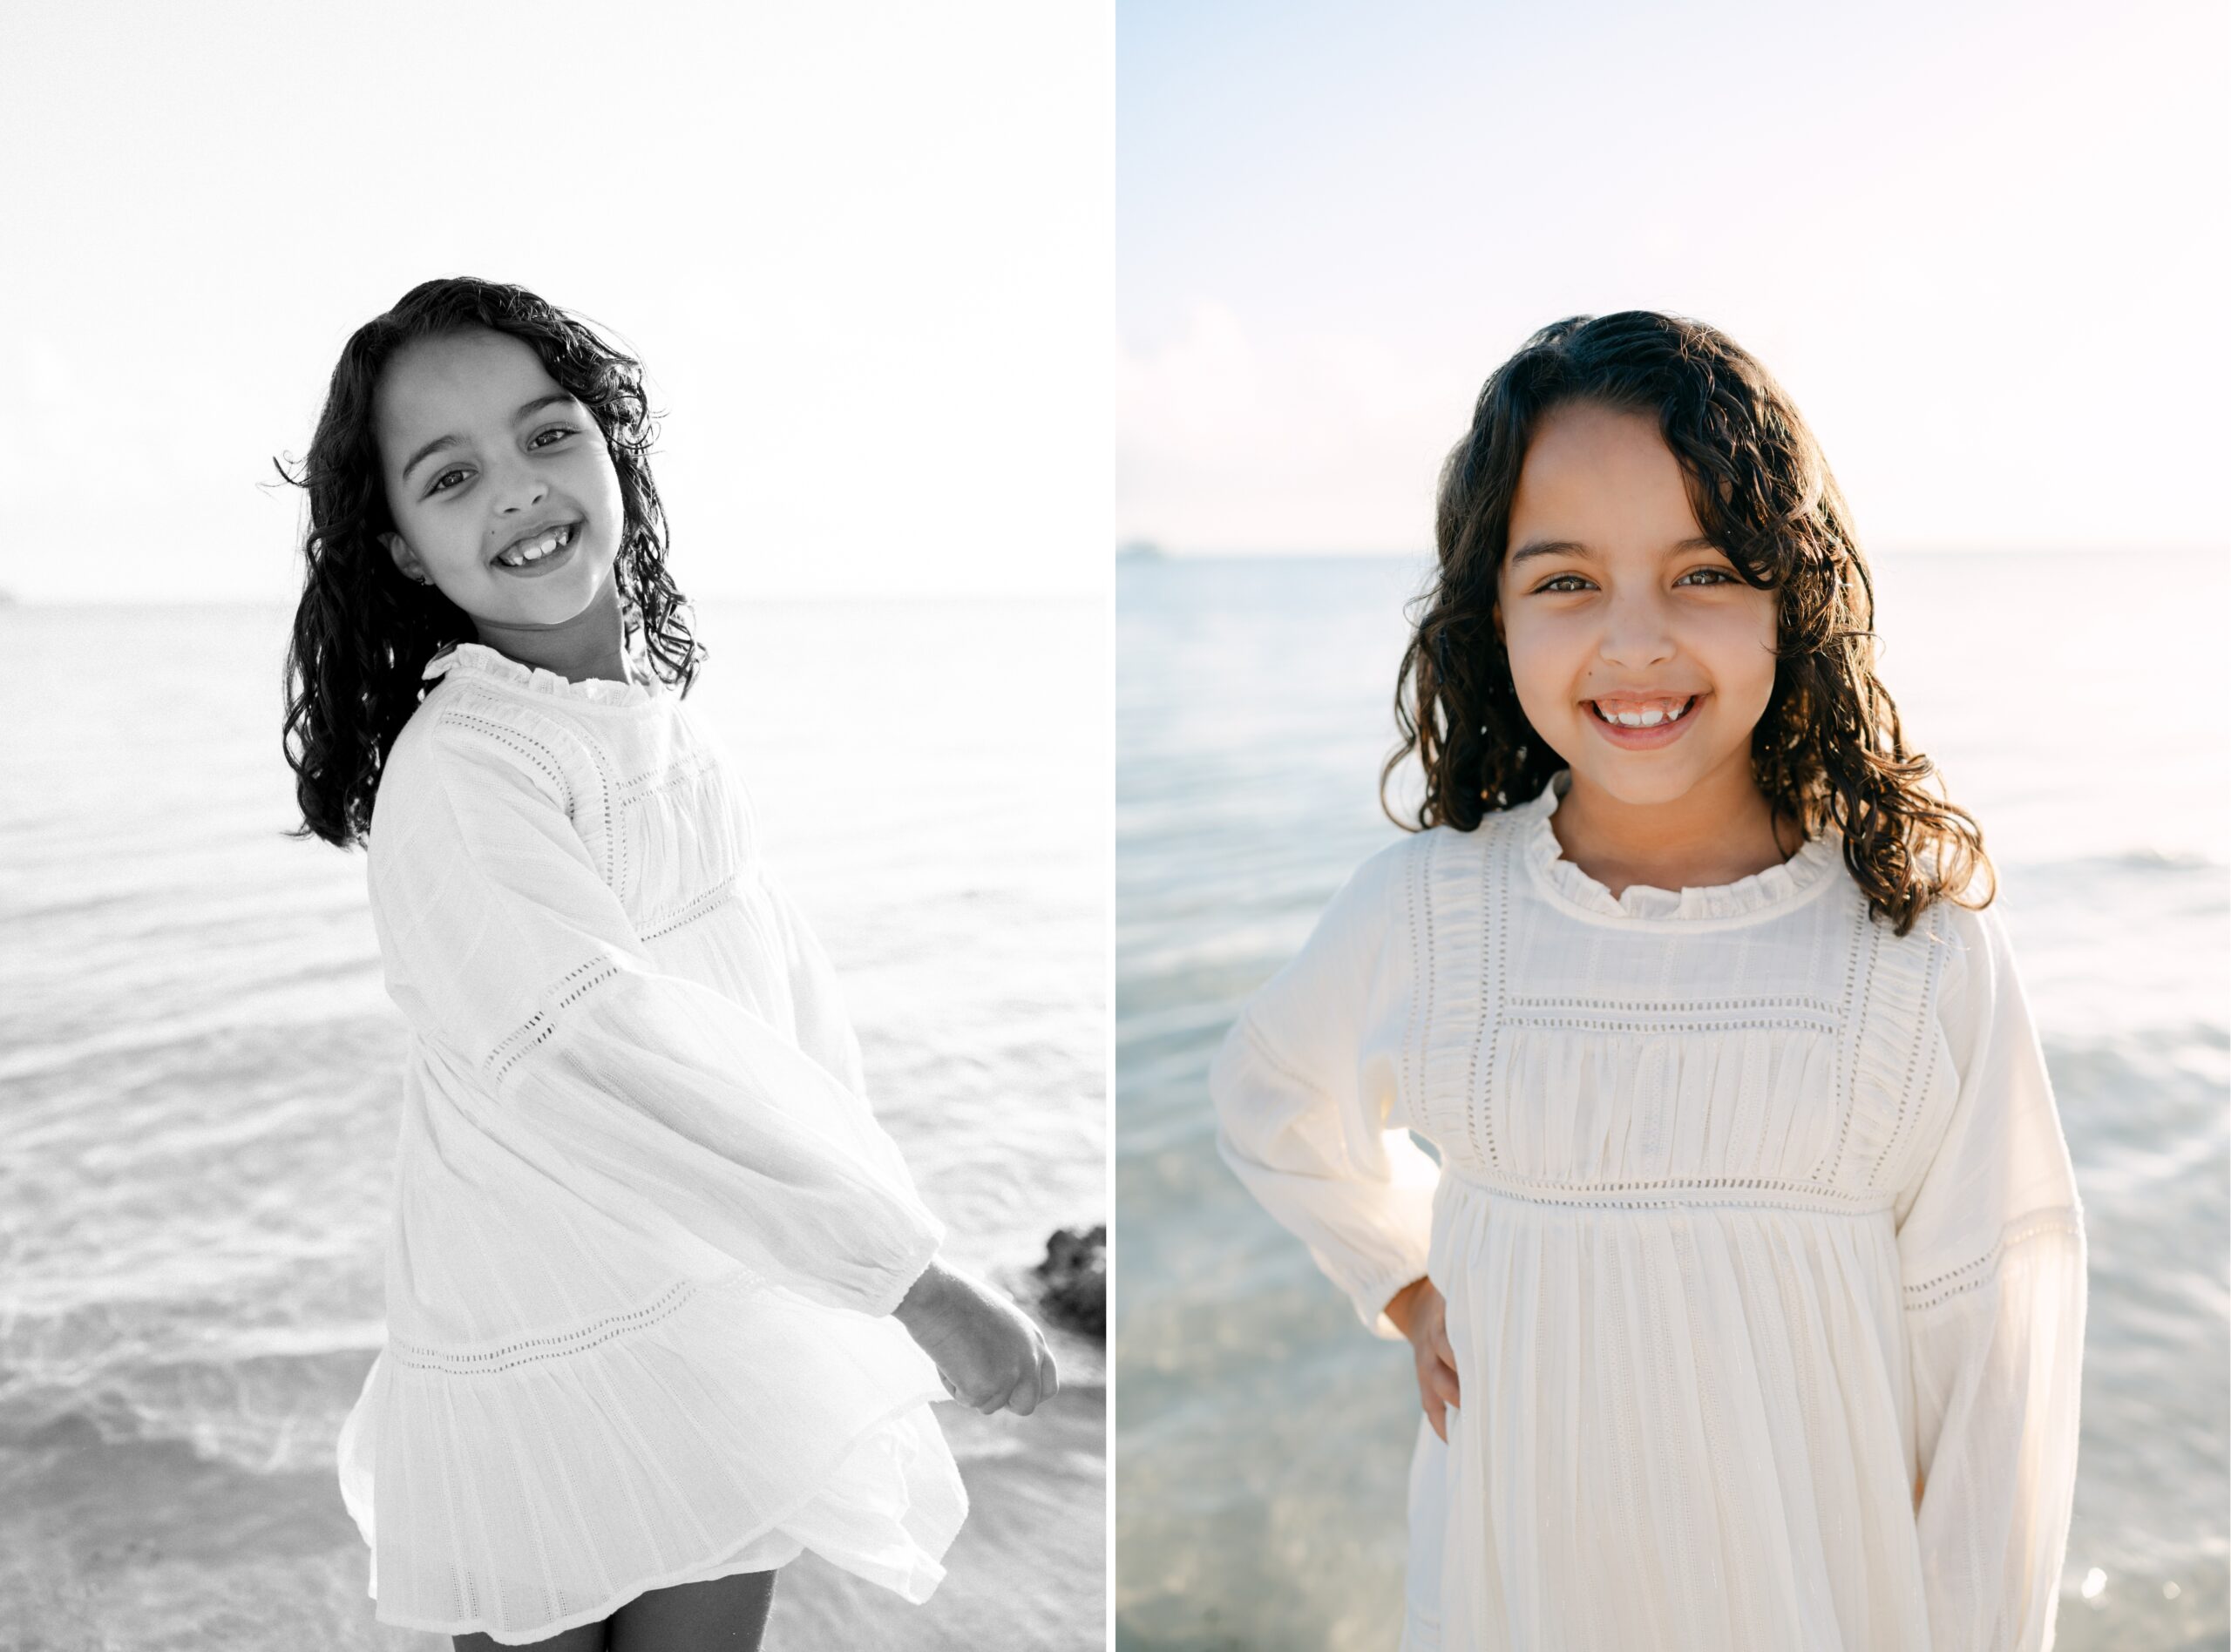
x=1650, y=717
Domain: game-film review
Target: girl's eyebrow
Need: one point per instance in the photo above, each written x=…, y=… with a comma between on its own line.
x=1574, y=548
x=441, y=442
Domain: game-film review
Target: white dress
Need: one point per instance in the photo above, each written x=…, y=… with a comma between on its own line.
x=1749, y=1214
x=647, y=1231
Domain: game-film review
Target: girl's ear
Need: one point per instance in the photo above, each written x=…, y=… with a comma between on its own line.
x=405, y=559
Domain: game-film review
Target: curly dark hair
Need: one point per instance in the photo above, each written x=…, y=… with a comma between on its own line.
x=1828, y=746
x=363, y=632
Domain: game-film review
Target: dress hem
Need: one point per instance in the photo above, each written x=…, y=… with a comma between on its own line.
x=686, y=1573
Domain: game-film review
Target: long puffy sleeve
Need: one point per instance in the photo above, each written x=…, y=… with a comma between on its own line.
x=1303, y=1114
x=646, y=1091
x=1992, y=1254
x=824, y=1030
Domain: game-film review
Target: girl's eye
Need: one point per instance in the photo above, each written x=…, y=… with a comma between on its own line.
x=1719, y=574
x=556, y=432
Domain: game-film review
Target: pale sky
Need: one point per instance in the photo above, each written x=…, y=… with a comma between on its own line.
x=864, y=251
x=1982, y=246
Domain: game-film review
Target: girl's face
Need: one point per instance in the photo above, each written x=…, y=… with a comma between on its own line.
x=1611, y=597
x=486, y=457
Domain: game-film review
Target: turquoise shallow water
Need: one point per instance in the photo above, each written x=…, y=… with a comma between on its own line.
x=1262, y=1438
x=199, y=1078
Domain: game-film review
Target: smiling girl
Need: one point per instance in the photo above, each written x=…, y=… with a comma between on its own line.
x=664, y=1308
x=1746, y=1281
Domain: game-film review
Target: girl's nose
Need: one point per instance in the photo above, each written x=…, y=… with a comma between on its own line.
x=521, y=487
x=1635, y=633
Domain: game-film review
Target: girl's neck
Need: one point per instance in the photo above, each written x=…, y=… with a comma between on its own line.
x=1721, y=831
x=593, y=644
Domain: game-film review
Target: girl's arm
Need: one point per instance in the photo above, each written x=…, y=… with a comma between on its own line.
x=988, y=1349
x=1992, y=1252
x=1302, y=1117
x=658, y=1100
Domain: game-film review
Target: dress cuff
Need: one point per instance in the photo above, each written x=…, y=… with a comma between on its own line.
x=902, y=1279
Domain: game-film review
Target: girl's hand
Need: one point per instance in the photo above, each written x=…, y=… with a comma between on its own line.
x=987, y=1349
x=1420, y=1313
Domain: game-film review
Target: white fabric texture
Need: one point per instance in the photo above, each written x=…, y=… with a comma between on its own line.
x=647, y=1232
x=1750, y=1217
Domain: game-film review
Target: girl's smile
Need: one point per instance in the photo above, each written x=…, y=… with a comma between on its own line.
x=539, y=548
x=1655, y=720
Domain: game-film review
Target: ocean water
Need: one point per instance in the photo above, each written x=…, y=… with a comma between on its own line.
x=1263, y=1437
x=199, y=1073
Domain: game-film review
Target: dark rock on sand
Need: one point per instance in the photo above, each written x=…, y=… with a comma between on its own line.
x=1074, y=1277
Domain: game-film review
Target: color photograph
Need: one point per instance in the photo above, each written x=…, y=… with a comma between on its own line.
x=1671, y=989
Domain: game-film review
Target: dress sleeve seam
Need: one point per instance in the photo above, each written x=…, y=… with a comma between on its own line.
x=2065, y=1221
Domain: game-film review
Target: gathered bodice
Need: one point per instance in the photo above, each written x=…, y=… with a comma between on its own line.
x=1765, y=1040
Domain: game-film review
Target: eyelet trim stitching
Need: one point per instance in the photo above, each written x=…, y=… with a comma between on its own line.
x=1773, y=1192
x=1412, y=874
x=1852, y=1096
x=533, y=1349
x=579, y=980
x=1854, y=1031
x=1429, y=874
x=615, y=840
x=1818, y=1006
x=1479, y=1118
x=692, y=910
x=1574, y=1023
x=2063, y=1219
x=686, y=767
x=1924, y=1019
x=534, y=750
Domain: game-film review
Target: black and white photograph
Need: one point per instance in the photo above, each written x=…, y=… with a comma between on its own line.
x=555, y=843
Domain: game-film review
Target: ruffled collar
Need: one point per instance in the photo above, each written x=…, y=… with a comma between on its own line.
x=479, y=659
x=1815, y=859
